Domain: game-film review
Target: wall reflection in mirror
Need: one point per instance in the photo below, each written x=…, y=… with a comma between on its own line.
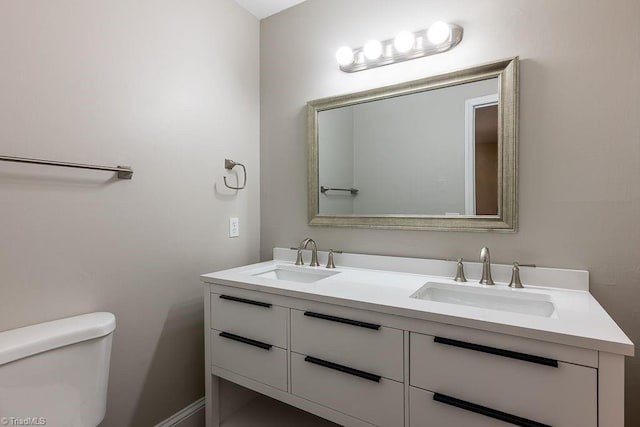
x=427, y=153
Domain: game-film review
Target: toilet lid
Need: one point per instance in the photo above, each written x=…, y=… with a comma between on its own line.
x=24, y=342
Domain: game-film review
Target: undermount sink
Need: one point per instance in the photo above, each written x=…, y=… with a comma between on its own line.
x=293, y=274
x=511, y=300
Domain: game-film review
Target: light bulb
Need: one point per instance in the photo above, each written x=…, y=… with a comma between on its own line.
x=404, y=41
x=344, y=56
x=373, y=50
x=439, y=32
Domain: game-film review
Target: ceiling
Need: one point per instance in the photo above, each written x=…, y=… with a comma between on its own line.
x=263, y=8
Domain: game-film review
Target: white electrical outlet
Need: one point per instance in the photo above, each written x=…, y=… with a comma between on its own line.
x=234, y=227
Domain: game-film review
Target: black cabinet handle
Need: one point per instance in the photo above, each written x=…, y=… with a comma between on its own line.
x=244, y=340
x=345, y=369
x=342, y=320
x=246, y=301
x=483, y=410
x=498, y=352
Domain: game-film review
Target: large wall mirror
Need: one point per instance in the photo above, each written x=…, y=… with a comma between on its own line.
x=437, y=153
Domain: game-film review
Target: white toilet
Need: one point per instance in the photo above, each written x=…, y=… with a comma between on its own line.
x=56, y=373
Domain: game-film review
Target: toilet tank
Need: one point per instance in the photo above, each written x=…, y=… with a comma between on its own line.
x=56, y=373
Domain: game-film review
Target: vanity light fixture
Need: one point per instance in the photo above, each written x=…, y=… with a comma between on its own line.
x=404, y=41
x=439, y=37
x=372, y=50
x=344, y=55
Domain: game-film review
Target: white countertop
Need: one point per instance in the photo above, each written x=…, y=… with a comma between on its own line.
x=579, y=320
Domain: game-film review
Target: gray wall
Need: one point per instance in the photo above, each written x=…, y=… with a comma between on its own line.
x=405, y=155
x=160, y=86
x=579, y=132
x=335, y=160
x=412, y=160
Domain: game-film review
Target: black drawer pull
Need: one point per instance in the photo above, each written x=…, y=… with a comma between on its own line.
x=342, y=320
x=345, y=369
x=498, y=351
x=246, y=301
x=244, y=340
x=483, y=410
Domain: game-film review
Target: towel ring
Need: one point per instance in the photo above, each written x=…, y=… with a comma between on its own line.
x=230, y=164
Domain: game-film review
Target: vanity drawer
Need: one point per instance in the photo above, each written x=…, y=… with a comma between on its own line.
x=544, y=390
x=250, y=317
x=378, y=402
x=348, y=341
x=247, y=358
x=424, y=411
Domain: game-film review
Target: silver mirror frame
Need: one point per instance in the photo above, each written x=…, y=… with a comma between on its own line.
x=508, y=95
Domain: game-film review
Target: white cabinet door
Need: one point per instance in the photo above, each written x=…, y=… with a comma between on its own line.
x=562, y=396
x=380, y=403
x=250, y=317
x=349, y=342
x=268, y=366
x=425, y=412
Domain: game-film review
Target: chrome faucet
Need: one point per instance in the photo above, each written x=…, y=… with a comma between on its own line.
x=314, y=252
x=485, y=258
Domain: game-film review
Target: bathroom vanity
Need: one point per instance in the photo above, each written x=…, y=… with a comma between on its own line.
x=385, y=341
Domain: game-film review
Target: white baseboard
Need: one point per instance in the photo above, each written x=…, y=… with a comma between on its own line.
x=181, y=418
